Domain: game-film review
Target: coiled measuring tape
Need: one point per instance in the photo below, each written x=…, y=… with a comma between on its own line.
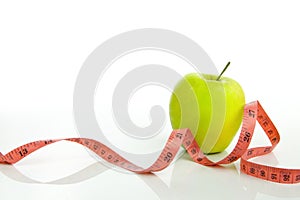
x=252, y=112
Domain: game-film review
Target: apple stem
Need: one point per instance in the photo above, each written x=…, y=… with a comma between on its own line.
x=223, y=71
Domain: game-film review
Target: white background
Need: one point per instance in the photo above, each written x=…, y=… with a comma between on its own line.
x=43, y=45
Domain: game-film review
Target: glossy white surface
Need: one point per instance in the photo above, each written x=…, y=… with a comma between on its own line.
x=66, y=170
x=44, y=45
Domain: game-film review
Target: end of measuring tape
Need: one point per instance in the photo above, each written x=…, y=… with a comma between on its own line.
x=252, y=112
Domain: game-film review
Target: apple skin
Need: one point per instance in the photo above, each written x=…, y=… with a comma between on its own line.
x=212, y=109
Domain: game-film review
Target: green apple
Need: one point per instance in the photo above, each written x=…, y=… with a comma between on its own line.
x=211, y=106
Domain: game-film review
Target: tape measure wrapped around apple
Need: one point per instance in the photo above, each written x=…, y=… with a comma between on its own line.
x=210, y=106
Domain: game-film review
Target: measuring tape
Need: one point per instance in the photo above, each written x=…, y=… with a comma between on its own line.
x=252, y=112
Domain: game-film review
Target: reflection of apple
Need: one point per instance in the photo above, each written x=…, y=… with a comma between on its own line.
x=211, y=106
